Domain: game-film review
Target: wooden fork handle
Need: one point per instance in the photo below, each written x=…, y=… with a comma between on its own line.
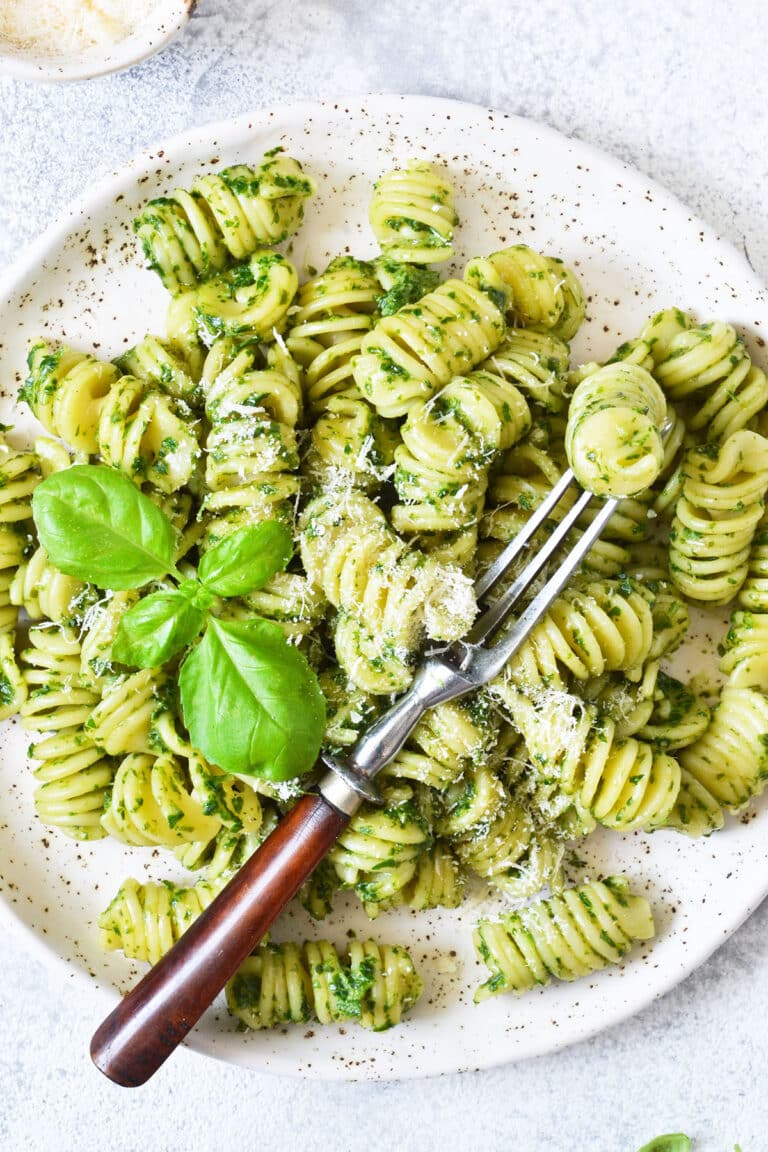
x=148, y=1024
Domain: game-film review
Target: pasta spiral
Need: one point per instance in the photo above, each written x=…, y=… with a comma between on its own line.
x=284, y=984
x=377, y=852
x=164, y=800
x=249, y=302
x=449, y=444
x=333, y=312
x=601, y=627
x=622, y=783
x=753, y=593
x=14, y=544
x=696, y=812
x=627, y=784
x=613, y=437
x=144, y=921
x=251, y=462
x=350, y=445
x=571, y=934
x=43, y=591
x=19, y=476
x=388, y=594
x=411, y=354
x=159, y=363
x=188, y=236
x=438, y=881
x=251, y=449
x=66, y=390
x=412, y=214
x=93, y=409
x=679, y=716
x=540, y=292
x=731, y=759
x=717, y=516
x=230, y=848
x=74, y=776
x=126, y=719
x=708, y=364
x=496, y=837
x=536, y=363
x=448, y=740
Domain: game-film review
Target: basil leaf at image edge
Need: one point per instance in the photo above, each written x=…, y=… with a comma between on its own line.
x=246, y=559
x=673, y=1142
x=95, y=524
x=251, y=702
x=156, y=629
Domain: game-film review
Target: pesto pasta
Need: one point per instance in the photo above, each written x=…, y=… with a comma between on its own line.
x=613, y=437
x=190, y=235
x=717, y=515
x=572, y=934
x=412, y=214
x=394, y=426
x=286, y=984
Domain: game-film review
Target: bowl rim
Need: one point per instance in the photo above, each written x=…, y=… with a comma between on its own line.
x=163, y=24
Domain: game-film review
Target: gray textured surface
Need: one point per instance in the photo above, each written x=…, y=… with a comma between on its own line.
x=678, y=90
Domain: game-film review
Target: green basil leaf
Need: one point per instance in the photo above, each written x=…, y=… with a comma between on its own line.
x=95, y=524
x=674, y=1142
x=156, y=629
x=251, y=702
x=246, y=559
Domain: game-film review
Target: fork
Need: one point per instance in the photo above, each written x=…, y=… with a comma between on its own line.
x=148, y=1024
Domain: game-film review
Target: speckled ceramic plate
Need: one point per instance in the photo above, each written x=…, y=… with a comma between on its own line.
x=637, y=250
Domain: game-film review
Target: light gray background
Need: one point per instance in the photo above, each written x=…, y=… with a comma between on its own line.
x=677, y=89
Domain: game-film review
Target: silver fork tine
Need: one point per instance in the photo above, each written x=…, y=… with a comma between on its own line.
x=494, y=573
x=485, y=663
x=490, y=620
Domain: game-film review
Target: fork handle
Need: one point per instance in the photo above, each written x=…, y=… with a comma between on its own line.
x=148, y=1024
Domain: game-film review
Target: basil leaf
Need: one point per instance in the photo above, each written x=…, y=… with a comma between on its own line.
x=246, y=559
x=156, y=629
x=251, y=702
x=95, y=524
x=674, y=1142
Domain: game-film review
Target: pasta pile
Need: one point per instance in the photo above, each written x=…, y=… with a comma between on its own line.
x=403, y=428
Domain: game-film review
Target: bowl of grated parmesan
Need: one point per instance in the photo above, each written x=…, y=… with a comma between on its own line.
x=62, y=40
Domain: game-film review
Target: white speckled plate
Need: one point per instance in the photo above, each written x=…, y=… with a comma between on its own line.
x=637, y=250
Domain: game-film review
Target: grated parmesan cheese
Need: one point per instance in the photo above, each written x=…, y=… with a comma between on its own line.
x=64, y=27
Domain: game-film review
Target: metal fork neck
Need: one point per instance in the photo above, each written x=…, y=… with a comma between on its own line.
x=436, y=681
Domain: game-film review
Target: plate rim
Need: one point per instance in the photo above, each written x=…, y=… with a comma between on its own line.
x=65, y=222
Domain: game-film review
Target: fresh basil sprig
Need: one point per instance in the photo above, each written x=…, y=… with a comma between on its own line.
x=249, y=699
x=160, y=625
